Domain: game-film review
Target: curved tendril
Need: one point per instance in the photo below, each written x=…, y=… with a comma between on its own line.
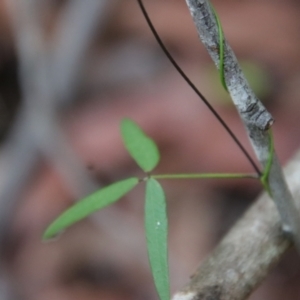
x=190, y=83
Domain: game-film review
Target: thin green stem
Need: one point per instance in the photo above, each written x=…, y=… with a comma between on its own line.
x=221, y=49
x=265, y=176
x=205, y=176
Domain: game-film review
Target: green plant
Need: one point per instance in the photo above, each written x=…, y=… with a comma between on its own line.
x=145, y=153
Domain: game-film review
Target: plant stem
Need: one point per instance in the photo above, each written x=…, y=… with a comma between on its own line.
x=205, y=176
x=247, y=253
x=256, y=118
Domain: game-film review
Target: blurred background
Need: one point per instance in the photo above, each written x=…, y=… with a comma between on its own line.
x=70, y=70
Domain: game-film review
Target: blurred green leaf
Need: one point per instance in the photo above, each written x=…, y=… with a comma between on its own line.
x=142, y=148
x=156, y=224
x=90, y=204
x=260, y=80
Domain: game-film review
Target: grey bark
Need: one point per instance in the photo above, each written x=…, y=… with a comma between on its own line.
x=247, y=253
x=256, y=118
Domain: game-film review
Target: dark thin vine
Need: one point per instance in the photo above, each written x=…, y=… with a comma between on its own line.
x=191, y=84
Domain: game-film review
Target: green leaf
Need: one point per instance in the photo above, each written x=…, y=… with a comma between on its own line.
x=142, y=148
x=156, y=223
x=90, y=204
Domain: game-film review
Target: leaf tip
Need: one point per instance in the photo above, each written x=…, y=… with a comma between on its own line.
x=49, y=234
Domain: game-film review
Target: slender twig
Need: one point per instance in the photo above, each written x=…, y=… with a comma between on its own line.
x=256, y=118
x=40, y=105
x=36, y=132
x=246, y=254
x=73, y=39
